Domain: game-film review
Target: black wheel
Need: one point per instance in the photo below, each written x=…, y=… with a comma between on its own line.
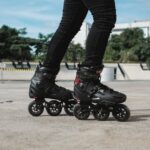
x=81, y=112
x=121, y=112
x=35, y=109
x=54, y=108
x=69, y=107
x=101, y=113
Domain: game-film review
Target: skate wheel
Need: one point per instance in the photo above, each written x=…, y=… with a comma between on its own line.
x=81, y=112
x=121, y=112
x=35, y=109
x=101, y=113
x=69, y=107
x=54, y=108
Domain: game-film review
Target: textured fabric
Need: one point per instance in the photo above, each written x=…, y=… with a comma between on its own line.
x=74, y=12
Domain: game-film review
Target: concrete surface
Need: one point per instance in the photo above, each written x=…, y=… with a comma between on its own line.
x=20, y=131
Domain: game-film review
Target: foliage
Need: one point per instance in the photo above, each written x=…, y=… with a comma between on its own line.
x=42, y=47
x=113, y=49
x=129, y=46
x=75, y=53
x=14, y=46
x=6, y=35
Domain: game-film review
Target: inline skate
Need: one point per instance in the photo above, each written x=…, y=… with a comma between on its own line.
x=94, y=97
x=43, y=87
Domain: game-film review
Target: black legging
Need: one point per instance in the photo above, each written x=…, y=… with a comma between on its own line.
x=74, y=12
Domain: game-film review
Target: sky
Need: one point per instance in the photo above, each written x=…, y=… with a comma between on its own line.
x=43, y=16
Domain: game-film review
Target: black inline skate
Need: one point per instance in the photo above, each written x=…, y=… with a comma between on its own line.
x=93, y=96
x=43, y=86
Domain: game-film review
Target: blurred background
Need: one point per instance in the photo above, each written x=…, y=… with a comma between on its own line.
x=26, y=27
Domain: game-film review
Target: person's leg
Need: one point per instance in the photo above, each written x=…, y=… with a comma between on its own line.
x=104, y=15
x=74, y=12
x=87, y=82
x=43, y=82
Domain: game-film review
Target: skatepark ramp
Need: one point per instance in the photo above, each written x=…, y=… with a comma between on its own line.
x=135, y=72
x=118, y=72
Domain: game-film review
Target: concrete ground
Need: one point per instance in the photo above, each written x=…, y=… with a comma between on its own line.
x=20, y=131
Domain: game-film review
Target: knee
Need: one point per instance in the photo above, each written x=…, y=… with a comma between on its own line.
x=106, y=20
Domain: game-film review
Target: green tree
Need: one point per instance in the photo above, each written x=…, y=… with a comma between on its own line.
x=20, y=52
x=14, y=46
x=6, y=35
x=131, y=37
x=129, y=46
x=113, y=49
x=42, y=46
x=142, y=51
x=75, y=53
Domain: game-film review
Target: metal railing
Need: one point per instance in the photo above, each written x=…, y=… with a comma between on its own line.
x=124, y=74
x=144, y=67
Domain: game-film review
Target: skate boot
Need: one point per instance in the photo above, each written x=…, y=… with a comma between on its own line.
x=95, y=97
x=43, y=86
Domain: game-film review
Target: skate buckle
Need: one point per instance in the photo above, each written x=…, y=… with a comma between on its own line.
x=77, y=99
x=77, y=80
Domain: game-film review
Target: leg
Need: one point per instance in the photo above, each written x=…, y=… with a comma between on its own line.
x=87, y=82
x=74, y=13
x=43, y=82
x=104, y=15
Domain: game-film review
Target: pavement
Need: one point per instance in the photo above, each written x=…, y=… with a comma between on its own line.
x=20, y=131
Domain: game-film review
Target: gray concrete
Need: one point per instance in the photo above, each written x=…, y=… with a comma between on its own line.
x=20, y=131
